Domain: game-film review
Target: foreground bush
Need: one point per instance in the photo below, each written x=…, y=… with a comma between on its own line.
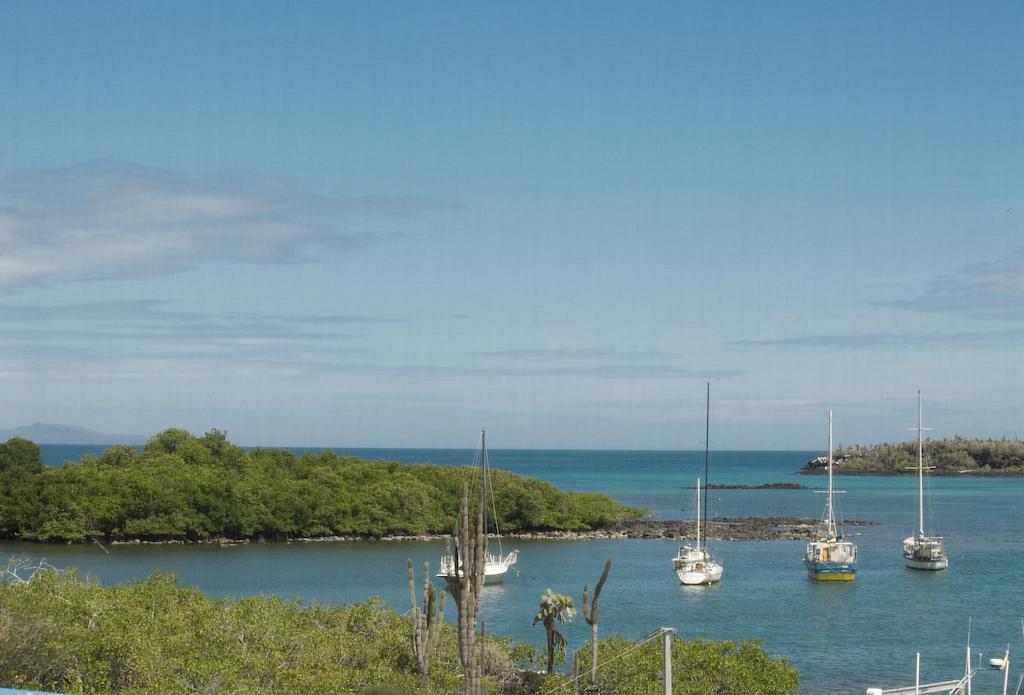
x=62, y=633
x=698, y=666
x=66, y=634
x=182, y=487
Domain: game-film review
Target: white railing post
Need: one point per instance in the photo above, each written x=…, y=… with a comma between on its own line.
x=666, y=633
x=917, y=675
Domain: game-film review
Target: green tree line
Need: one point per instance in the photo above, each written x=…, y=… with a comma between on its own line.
x=60, y=632
x=947, y=456
x=183, y=487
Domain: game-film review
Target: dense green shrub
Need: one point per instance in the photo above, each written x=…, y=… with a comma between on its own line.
x=698, y=666
x=947, y=456
x=192, y=488
x=66, y=634
x=63, y=633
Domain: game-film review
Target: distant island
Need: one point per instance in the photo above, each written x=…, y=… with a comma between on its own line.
x=49, y=433
x=947, y=457
x=186, y=488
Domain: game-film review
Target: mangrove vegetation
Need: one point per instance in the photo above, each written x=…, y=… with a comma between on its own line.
x=183, y=487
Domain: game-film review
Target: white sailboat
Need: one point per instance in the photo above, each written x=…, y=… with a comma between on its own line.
x=921, y=551
x=695, y=564
x=830, y=558
x=496, y=566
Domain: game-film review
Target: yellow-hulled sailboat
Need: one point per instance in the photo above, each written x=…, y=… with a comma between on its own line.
x=830, y=558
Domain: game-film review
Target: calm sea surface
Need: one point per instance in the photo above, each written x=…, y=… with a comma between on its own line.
x=842, y=637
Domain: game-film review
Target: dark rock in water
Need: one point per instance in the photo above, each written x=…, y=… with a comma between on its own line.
x=762, y=486
x=721, y=529
x=754, y=528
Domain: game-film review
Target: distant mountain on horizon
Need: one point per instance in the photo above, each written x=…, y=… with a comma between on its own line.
x=49, y=433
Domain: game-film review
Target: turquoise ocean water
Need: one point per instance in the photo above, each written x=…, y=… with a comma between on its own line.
x=842, y=637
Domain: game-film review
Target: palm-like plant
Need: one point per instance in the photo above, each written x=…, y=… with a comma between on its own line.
x=554, y=608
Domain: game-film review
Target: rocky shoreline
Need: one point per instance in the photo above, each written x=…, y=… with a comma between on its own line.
x=722, y=529
x=743, y=486
x=772, y=528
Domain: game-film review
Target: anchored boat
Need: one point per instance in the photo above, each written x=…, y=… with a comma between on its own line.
x=830, y=558
x=695, y=564
x=495, y=566
x=921, y=551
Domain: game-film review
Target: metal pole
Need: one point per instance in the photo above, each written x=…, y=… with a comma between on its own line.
x=968, y=669
x=917, y=675
x=667, y=633
x=920, y=469
x=483, y=482
x=707, y=444
x=1006, y=669
x=967, y=663
x=831, y=519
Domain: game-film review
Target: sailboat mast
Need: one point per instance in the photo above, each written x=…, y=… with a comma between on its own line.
x=698, y=513
x=707, y=442
x=920, y=469
x=483, y=484
x=831, y=518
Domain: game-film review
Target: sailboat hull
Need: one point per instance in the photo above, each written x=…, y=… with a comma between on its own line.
x=917, y=564
x=495, y=568
x=710, y=573
x=921, y=552
x=924, y=553
x=831, y=571
x=492, y=575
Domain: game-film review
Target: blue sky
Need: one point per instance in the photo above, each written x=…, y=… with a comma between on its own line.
x=390, y=224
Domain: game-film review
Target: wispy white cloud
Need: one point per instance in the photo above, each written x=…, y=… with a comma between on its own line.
x=992, y=290
x=77, y=332
x=559, y=354
x=101, y=218
x=994, y=339
x=604, y=371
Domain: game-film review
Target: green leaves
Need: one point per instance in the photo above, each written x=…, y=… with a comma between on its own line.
x=19, y=455
x=66, y=634
x=183, y=487
x=698, y=666
x=554, y=608
x=947, y=456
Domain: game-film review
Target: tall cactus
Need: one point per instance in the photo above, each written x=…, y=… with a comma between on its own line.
x=466, y=587
x=591, y=612
x=426, y=624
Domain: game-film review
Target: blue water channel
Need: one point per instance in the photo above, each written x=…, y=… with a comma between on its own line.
x=842, y=637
